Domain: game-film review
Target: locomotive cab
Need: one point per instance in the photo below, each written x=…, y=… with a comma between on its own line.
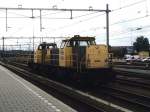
x=82, y=53
x=43, y=53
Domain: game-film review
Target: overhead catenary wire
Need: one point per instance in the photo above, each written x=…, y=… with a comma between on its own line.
x=124, y=32
x=129, y=5
x=129, y=20
x=126, y=6
x=118, y=37
x=77, y=22
x=52, y=9
x=49, y=14
x=114, y=10
x=123, y=21
x=119, y=22
x=25, y=16
x=75, y=17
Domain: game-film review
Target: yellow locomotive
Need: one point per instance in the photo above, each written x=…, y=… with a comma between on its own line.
x=78, y=58
x=44, y=54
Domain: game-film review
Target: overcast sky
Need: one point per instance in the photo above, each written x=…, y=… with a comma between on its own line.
x=125, y=19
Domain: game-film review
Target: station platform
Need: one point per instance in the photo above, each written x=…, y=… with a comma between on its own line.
x=19, y=95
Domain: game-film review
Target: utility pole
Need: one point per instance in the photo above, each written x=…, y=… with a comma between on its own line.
x=33, y=43
x=3, y=44
x=20, y=48
x=40, y=20
x=3, y=47
x=6, y=21
x=107, y=26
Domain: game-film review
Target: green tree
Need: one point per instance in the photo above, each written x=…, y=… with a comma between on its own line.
x=141, y=44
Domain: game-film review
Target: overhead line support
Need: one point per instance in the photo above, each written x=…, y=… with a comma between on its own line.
x=71, y=10
x=107, y=26
x=6, y=20
x=71, y=14
x=32, y=15
x=40, y=20
x=54, y=9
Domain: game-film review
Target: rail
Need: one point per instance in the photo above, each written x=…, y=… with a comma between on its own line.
x=93, y=102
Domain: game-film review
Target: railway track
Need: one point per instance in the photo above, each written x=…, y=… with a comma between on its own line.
x=131, y=63
x=129, y=94
x=132, y=73
x=125, y=94
x=125, y=91
x=136, y=82
x=86, y=102
x=129, y=66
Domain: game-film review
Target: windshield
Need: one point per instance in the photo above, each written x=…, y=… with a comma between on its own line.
x=82, y=43
x=77, y=43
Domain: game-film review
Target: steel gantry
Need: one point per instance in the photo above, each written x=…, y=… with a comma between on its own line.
x=57, y=9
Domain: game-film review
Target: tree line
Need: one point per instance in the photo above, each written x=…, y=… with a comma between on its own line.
x=141, y=44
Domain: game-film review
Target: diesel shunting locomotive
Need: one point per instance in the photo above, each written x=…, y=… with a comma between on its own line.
x=78, y=58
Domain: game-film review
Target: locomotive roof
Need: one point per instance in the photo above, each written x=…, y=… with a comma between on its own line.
x=48, y=44
x=79, y=38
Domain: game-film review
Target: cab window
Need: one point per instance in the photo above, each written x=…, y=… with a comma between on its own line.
x=83, y=43
x=40, y=47
x=91, y=43
x=63, y=44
